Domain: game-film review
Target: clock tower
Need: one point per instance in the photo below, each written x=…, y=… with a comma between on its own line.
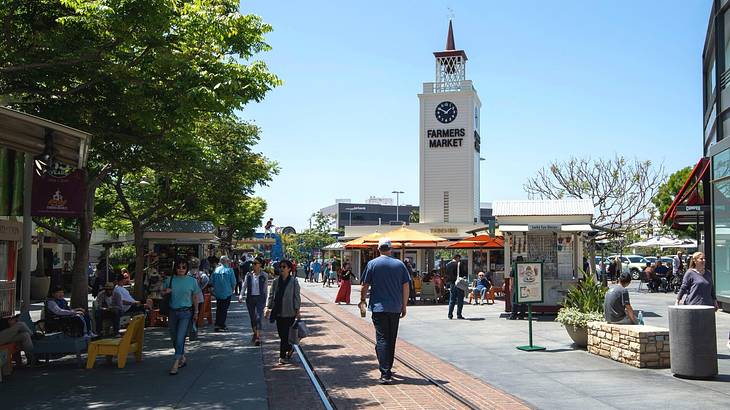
x=449, y=142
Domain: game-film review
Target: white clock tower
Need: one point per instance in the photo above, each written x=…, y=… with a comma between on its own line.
x=449, y=142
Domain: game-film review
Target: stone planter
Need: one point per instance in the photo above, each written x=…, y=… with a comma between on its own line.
x=39, y=286
x=578, y=334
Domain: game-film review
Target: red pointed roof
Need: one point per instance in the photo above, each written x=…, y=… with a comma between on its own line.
x=450, y=50
x=450, y=45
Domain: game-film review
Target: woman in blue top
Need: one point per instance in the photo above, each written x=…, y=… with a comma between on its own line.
x=183, y=308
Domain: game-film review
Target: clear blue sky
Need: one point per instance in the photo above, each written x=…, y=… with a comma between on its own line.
x=556, y=78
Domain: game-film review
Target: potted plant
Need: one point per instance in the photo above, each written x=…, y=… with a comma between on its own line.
x=583, y=304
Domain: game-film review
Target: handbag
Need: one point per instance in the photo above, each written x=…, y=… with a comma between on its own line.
x=297, y=332
x=462, y=283
x=165, y=301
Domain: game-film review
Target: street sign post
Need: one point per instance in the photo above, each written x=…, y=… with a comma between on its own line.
x=529, y=288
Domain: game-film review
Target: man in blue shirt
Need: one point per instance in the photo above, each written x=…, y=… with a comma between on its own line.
x=224, y=282
x=388, y=281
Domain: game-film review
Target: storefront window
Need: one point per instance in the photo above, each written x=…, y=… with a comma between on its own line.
x=709, y=75
x=721, y=214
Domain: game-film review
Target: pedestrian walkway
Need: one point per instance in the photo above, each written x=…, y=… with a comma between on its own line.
x=223, y=371
x=563, y=377
x=348, y=368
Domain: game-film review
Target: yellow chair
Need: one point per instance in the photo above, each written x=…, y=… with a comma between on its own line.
x=132, y=341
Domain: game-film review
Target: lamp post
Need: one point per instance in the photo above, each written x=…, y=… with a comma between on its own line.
x=397, y=204
x=350, y=211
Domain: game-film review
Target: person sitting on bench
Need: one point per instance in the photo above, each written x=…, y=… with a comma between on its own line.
x=123, y=299
x=58, y=313
x=14, y=331
x=616, y=306
x=107, y=309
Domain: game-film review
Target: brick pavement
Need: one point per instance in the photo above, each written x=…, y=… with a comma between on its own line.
x=347, y=365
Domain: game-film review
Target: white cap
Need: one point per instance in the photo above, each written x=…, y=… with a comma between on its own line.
x=385, y=243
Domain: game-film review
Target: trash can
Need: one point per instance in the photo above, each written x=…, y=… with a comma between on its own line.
x=693, y=341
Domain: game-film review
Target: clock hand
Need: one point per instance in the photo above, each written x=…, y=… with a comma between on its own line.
x=442, y=110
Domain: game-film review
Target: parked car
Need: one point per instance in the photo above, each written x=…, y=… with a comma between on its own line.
x=634, y=264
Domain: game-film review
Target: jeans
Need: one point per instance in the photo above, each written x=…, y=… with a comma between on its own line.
x=282, y=327
x=480, y=291
x=456, y=297
x=255, y=306
x=221, y=311
x=178, y=323
x=386, y=333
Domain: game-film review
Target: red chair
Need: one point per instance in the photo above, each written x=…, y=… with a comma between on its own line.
x=207, y=312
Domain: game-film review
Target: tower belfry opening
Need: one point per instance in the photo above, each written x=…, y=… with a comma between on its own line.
x=450, y=66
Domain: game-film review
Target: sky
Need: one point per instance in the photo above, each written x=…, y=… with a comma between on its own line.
x=556, y=79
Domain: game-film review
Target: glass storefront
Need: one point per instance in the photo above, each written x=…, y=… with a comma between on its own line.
x=721, y=220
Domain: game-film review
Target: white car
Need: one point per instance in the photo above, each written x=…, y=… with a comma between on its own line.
x=635, y=264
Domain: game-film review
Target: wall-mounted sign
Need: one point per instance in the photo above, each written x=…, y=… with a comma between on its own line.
x=544, y=227
x=444, y=230
x=11, y=231
x=58, y=196
x=528, y=278
x=452, y=137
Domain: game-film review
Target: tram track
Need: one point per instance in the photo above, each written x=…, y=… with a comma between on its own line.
x=322, y=391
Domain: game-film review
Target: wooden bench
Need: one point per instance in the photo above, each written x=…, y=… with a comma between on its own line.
x=636, y=345
x=132, y=341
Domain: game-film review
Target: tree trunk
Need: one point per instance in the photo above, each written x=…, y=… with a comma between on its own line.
x=80, y=282
x=139, y=273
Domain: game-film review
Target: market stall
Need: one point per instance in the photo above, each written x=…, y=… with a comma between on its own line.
x=551, y=232
x=179, y=239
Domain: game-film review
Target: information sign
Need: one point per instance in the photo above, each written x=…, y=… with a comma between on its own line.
x=529, y=279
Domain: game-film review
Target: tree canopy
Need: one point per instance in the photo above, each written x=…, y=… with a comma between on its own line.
x=621, y=190
x=668, y=191
x=157, y=83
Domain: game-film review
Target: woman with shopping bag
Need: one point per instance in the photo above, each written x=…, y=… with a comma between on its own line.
x=283, y=306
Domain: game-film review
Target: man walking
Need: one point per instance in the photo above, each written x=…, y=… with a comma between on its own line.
x=677, y=265
x=388, y=281
x=224, y=282
x=454, y=270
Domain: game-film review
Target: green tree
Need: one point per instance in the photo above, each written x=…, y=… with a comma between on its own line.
x=137, y=74
x=666, y=194
x=415, y=216
x=305, y=243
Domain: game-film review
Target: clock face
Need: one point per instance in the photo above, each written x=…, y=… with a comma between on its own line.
x=446, y=112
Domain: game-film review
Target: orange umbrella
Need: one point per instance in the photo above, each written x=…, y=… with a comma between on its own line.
x=360, y=242
x=480, y=241
x=406, y=235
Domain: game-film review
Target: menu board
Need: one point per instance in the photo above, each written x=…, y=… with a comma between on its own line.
x=529, y=278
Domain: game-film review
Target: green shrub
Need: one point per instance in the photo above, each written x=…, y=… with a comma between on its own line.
x=583, y=303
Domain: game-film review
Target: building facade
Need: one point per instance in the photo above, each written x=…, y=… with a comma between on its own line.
x=716, y=145
x=449, y=142
x=359, y=214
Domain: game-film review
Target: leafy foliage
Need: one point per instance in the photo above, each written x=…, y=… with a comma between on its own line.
x=571, y=316
x=586, y=296
x=668, y=191
x=583, y=303
x=303, y=244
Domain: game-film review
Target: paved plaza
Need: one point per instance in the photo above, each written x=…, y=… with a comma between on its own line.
x=563, y=376
x=475, y=357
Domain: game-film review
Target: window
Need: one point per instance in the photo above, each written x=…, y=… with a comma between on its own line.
x=721, y=213
x=709, y=75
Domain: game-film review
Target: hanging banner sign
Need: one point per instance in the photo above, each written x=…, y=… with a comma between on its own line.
x=58, y=196
x=529, y=282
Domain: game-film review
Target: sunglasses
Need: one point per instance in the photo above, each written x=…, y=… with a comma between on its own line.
x=182, y=267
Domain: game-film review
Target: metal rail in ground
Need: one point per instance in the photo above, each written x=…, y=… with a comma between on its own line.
x=451, y=392
x=316, y=382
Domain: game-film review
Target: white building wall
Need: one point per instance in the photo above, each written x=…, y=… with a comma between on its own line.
x=449, y=169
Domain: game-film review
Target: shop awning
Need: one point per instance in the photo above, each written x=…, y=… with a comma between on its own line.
x=689, y=205
x=27, y=133
x=545, y=227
